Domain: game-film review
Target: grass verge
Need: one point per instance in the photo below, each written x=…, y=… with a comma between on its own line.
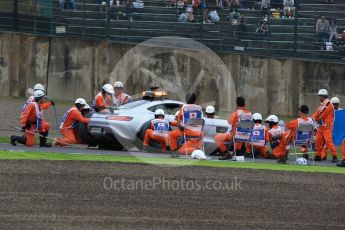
x=5, y=139
x=12, y=155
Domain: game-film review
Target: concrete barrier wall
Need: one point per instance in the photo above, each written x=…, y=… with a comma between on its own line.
x=23, y=62
x=79, y=68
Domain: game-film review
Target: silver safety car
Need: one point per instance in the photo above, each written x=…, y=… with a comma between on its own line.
x=125, y=127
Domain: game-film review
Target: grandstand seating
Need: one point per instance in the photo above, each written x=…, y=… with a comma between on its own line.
x=293, y=37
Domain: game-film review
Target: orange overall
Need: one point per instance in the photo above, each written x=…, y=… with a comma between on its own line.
x=29, y=119
x=324, y=116
x=293, y=125
x=191, y=145
x=233, y=120
x=150, y=134
x=69, y=126
x=280, y=150
x=122, y=98
x=44, y=105
x=101, y=102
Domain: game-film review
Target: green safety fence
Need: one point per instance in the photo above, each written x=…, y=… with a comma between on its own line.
x=236, y=31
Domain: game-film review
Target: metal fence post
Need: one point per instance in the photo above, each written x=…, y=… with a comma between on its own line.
x=268, y=52
x=108, y=15
x=15, y=15
x=84, y=16
x=220, y=28
x=176, y=12
x=315, y=36
x=129, y=20
x=202, y=21
x=35, y=15
x=295, y=30
x=51, y=14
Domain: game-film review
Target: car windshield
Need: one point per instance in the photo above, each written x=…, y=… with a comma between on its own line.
x=133, y=104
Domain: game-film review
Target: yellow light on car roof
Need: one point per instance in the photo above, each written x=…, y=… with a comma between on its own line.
x=155, y=93
x=160, y=93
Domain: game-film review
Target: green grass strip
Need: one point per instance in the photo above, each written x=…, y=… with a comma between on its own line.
x=12, y=155
x=5, y=139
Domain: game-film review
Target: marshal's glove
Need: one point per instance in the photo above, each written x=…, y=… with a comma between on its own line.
x=53, y=103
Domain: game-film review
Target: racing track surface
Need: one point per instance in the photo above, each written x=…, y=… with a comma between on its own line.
x=71, y=195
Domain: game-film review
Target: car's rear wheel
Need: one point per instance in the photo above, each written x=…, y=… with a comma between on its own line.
x=85, y=135
x=103, y=142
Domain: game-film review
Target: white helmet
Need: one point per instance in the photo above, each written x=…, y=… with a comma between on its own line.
x=335, y=100
x=198, y=154
x=159, y=112
x=322, y=92
x=301, y=161
x=108, y=88
x=80, y=101
x=118, y=84
x=86, y=106
x=38, y=94
x=257, y=117
x=39, y=87
x=272, y=118
x=210, y=109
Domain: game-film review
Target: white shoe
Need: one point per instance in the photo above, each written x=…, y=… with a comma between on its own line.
x=54, y=142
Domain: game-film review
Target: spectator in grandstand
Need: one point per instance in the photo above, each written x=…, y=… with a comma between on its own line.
x=342, y=36
x=223, y=3
x=204, y=8
x=234, y=15
x=233, y=4
x=241, y=29
x=103, y=5
x=263, y=28
x=265, y=4
x=289, y=8
x=213, y=16
x=138, y=6
x=187, y=16
x=333, y=30
x=172, y=3
x=114, y=12
x=322, y=29
x=68, y=4
x=194, y=4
